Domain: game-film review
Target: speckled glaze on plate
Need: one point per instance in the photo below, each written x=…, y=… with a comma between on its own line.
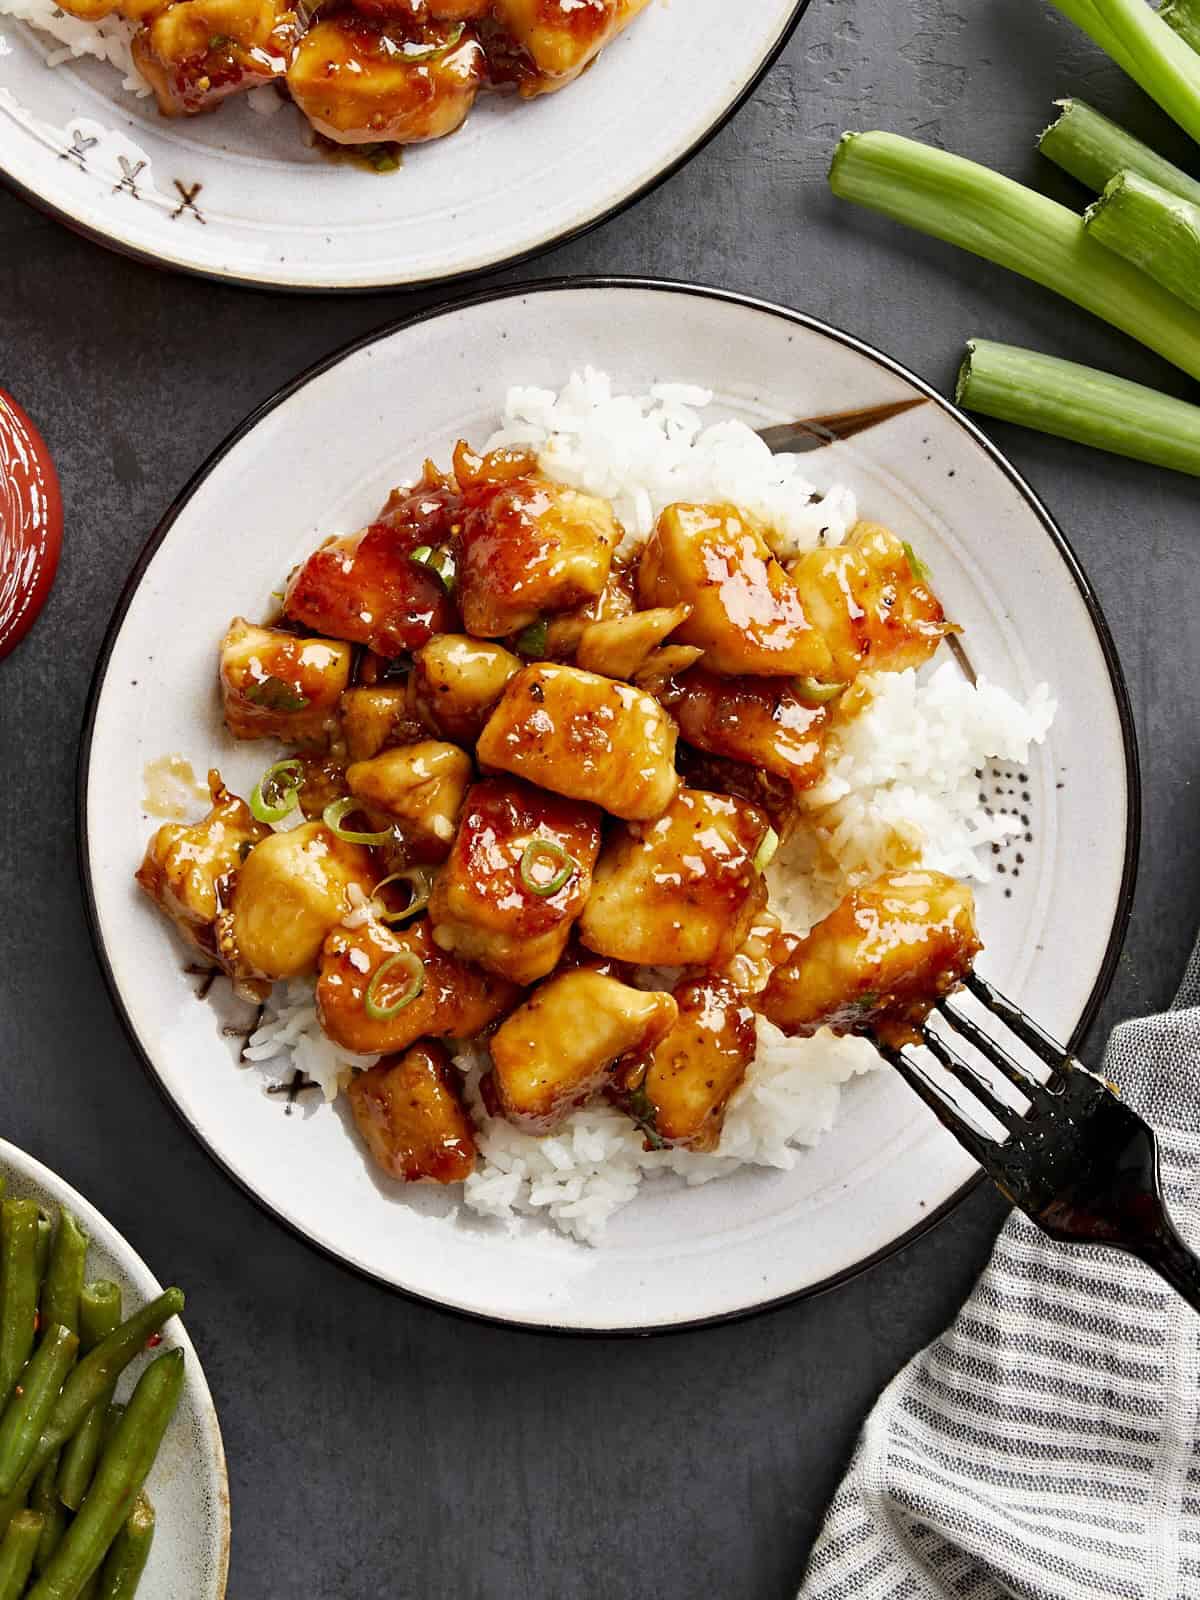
x=188, y=1485
x=237, y=195
x=1052, y=920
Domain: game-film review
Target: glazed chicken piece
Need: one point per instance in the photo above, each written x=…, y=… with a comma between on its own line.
x=528, y=546
x=759, y=721
x=276, y=685
x=322, y=782
x=747, y=615
x=618, y=598
x=620, y=647
x=882, y=959
x=456, y=680
x=873, y=606
x=557, y=1049
x=563, y=37
x=517, y=878
x=377, y=717
x=425, y=10
x=367, y=972
x=420, y=788
x=585, y=737
x=188, y=868
x=775, y=797
x=410, y=1113
x=132, y=10
x=359, y=80
x=679, y=1091
x=196, y=53
x=681, y=891
x=366, y=587
x=291, y=889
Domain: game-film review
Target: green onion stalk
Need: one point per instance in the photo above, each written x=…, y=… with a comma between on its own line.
x=1184, y=17
x=1093, y=149
x=1079, y=403
x=1000, y=220
x=1153, y=54
x=1084, y=15
x=1157, y=231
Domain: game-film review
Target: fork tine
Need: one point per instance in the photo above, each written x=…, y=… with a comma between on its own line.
x=976, y=1143
x=1025, y=1029
x=992, y=1052
x=971, y=1079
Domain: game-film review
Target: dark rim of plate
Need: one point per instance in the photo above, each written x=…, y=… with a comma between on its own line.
x=444, y=279
x=812, y=324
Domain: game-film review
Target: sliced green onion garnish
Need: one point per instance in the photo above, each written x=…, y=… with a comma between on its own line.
x=531, y=641
x=416, y=982
x=547, y=850
x=277, y=793
x=275, y=695
x=440, y=561
x=420, y=887
x=432, y=52
x=918, y=568
x=765, y=853
x=337, y=809
x=815, y=693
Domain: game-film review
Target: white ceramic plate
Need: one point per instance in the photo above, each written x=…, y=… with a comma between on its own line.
x=319, y=458
x=190, y=1554
x=238, y=195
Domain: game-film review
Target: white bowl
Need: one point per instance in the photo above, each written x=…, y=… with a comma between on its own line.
x=238, y=195
x=319, y=458
x=188, y=1485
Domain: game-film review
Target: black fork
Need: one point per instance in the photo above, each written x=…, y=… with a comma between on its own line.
x=1077, y=1160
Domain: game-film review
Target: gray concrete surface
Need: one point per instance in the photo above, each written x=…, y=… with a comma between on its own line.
x=379, y=1448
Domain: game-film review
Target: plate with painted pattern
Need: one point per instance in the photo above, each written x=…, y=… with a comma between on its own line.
x=1052, y=922
x=239, y=195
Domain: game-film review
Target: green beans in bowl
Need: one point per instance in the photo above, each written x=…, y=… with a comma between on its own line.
x=112, y=1476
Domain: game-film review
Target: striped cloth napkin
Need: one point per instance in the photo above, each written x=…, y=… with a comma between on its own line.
x=1047, y=1447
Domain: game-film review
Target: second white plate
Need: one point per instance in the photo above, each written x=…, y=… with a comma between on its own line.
x=238, y=195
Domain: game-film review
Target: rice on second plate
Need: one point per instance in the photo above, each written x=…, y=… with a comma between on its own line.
x=901, y=787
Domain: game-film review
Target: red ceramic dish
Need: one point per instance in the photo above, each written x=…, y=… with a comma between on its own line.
x=30, y=523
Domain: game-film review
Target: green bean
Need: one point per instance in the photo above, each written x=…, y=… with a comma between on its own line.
x=17, y=1501
x=26, y=1415
x=126, y=1561
x=64, y=1276
x=122, y=1471
x=18, y=1316
x=45, y=1238
x=99, y=1315
x=99, y=1312
x=17, y=1552
x=45, y=1500
x=94, y=1376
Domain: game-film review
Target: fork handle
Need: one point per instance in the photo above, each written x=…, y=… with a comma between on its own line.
x=1174, y=1261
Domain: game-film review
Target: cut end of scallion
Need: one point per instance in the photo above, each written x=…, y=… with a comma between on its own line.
x=765, y=853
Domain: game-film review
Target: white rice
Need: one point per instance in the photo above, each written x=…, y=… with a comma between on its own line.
x=107, y=40
x=289, y=1039
x=644, y=452
x=902, y=787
